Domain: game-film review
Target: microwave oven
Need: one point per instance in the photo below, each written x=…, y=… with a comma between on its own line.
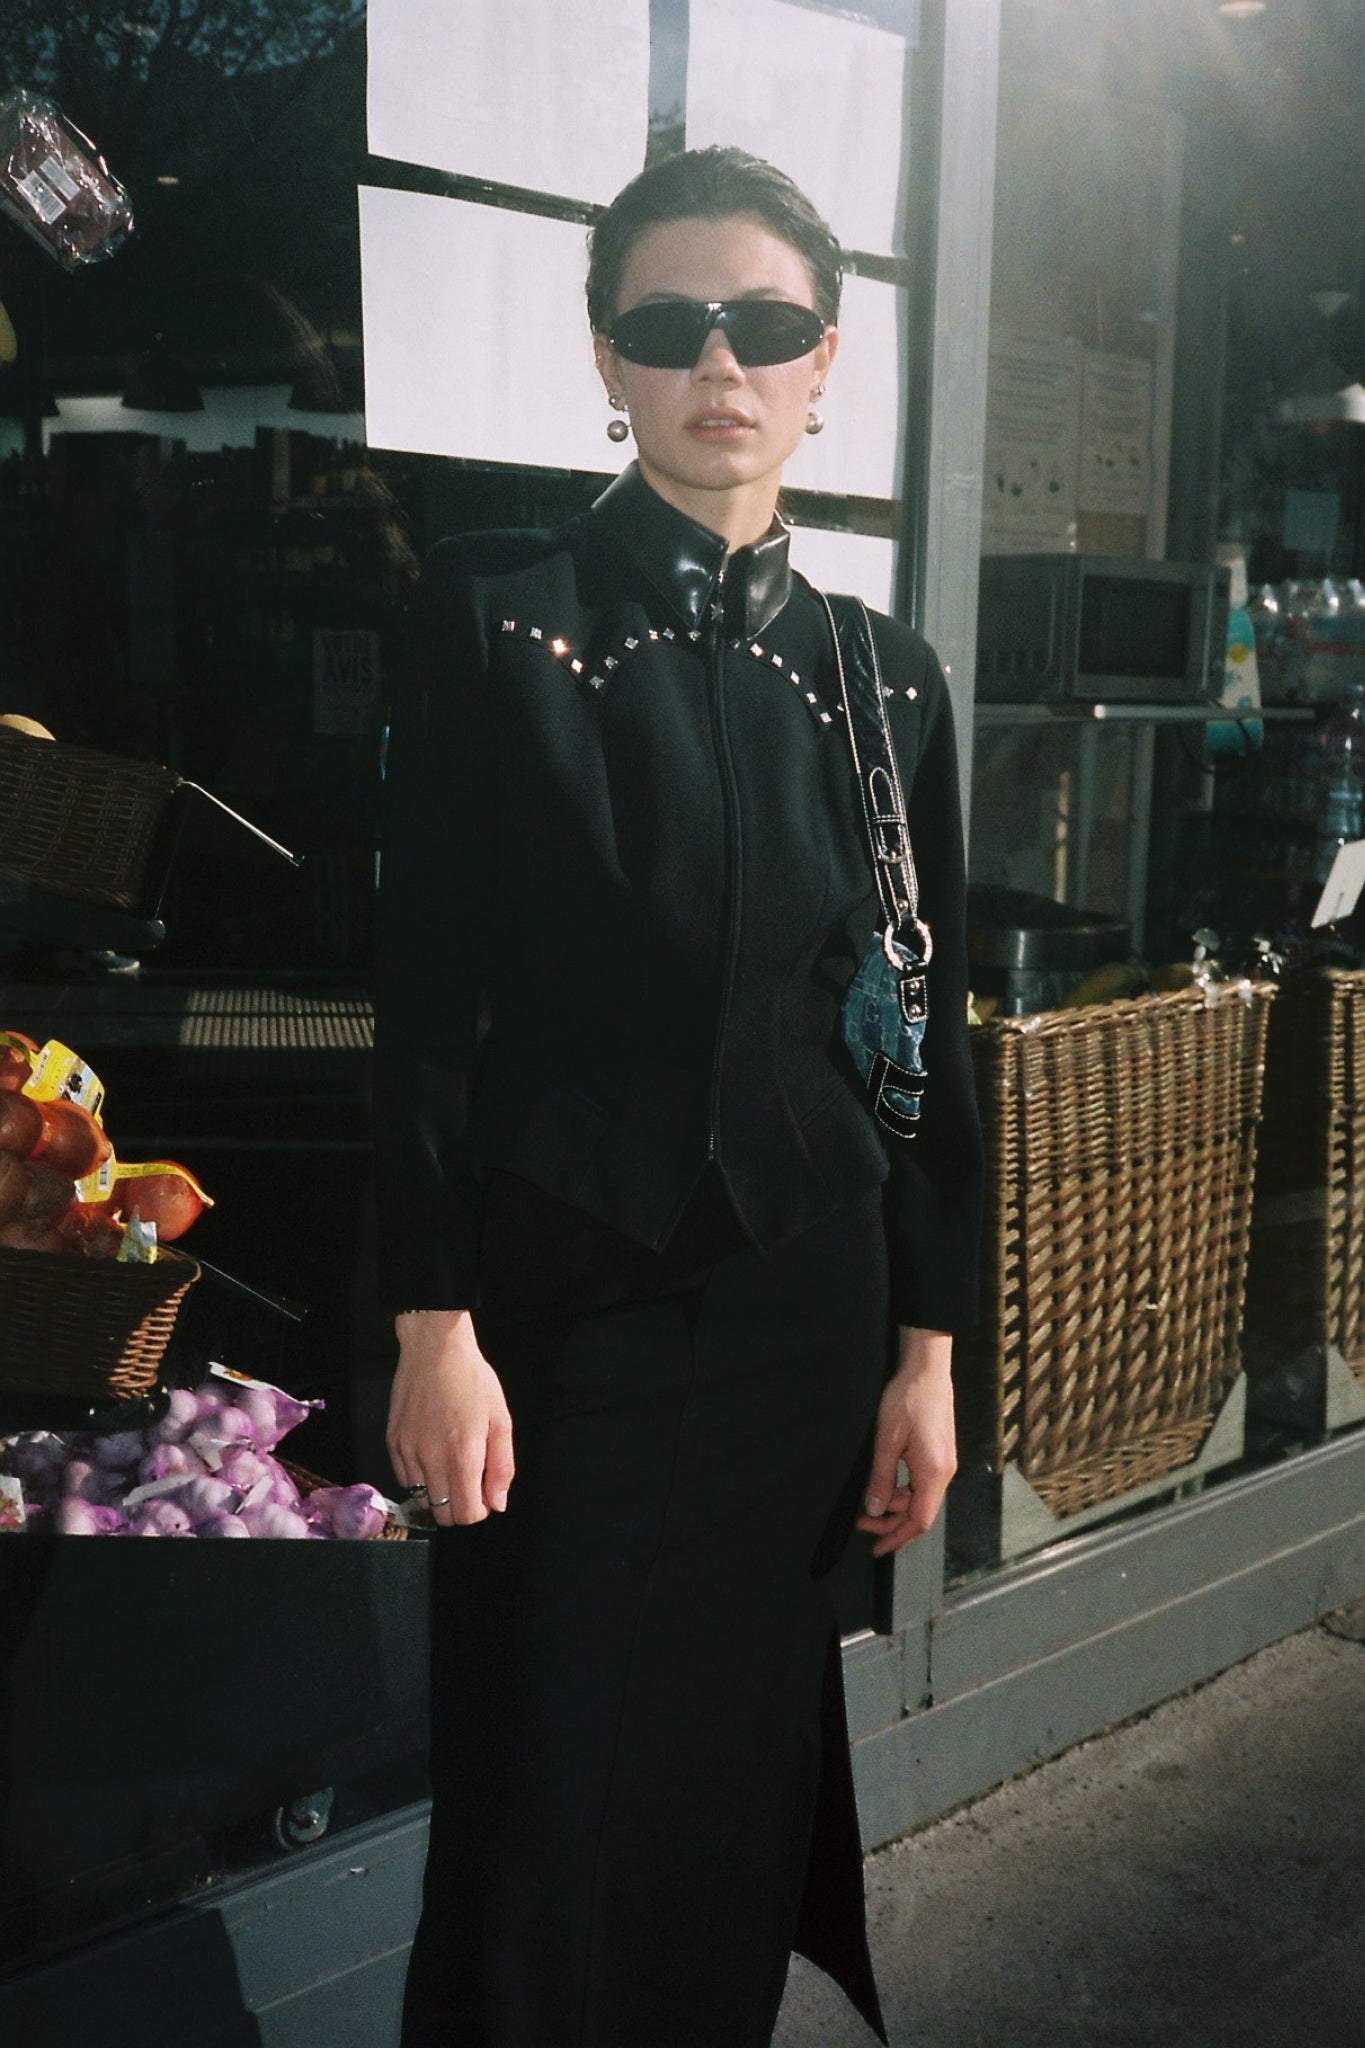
x=1100, y=628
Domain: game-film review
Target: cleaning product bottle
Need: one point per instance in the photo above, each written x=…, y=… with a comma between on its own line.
x=1241, y=690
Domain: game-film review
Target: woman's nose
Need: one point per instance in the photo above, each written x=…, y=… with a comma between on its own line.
x=717, y=358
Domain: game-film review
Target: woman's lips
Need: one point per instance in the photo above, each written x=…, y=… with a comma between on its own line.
x=719, y=426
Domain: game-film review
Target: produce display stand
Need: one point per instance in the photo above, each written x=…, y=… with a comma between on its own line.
x=181, y=1715
x=1306, y=1287
x=1121, y=1142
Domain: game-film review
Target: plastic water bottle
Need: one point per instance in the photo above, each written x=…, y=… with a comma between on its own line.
x=1341, y=783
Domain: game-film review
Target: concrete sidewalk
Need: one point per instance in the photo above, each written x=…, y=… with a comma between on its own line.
x=1191, y=1879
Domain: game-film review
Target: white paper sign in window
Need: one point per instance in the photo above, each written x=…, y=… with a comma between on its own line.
x=476, y=334
x=818, y=95
x=860, y=450
x=861, y=562
x=548, y=95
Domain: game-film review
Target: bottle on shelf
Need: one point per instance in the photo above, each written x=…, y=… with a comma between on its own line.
x=1341, y=778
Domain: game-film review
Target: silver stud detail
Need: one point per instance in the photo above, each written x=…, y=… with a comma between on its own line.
x=576, y=666
x=669, y=634
x=777, y=660
x=611, y=662
x=559, y=647
x=536, y=633
x=825, y=718
x=509, y=625
x=756, y=650
x=596, y=682
x=886, y=692
x=795, y=678
x=912, y=693
x=695, y=633
x=811, y=697
x=631, y=645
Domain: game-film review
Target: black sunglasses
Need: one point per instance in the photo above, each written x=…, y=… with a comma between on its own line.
x=670, y=334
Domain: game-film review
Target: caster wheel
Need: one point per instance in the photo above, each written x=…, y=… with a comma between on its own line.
x=304, y=1820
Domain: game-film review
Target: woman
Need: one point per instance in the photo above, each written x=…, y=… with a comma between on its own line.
x=669, y=1309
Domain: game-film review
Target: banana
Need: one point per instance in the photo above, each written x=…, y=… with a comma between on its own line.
x=1105, y=984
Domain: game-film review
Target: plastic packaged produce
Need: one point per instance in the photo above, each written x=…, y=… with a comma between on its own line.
x=61, y=1188
x=57, y=187
x=206, y=1469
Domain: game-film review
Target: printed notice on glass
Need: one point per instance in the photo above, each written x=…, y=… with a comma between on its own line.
x=1033, y=429
x=547, y=95
x=346, y=700
x=1116, y=434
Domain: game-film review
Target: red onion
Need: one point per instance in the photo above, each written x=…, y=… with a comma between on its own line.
x=267, y=1518
x=179, y=1419
x=164, y=1460
x=159, y=1518
x=202, y=1497
x=243, y=1468
x=77, y=1517
x=351, y=1512
x=273, y=1413
x=220, y=1524
x=83, y=1481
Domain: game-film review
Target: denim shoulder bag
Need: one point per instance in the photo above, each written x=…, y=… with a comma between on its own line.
x=886, y=1006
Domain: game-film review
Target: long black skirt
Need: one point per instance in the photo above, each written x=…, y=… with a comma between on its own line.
x=642, y=1798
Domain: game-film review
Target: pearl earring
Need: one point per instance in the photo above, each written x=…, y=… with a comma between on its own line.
x=815, y=422
x=617, y=430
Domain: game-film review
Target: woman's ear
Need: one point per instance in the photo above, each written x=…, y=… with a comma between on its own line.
x=826, y=350
x=608, y=365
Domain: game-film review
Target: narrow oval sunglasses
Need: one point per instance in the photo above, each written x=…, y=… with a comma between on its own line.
x=670, y=334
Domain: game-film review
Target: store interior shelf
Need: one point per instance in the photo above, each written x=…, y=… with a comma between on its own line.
x=1073, y=712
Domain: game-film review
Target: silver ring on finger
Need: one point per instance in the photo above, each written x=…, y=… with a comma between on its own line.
x=442, y=1503
x=419, y=1488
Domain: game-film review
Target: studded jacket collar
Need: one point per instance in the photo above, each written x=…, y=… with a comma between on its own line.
x=684, y=560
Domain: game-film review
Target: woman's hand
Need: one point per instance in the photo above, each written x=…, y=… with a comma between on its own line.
x=914, y=1422
x=449, y=1425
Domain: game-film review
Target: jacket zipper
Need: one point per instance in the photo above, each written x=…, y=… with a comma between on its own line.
x=715, y=665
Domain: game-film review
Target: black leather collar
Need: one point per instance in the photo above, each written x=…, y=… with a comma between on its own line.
x=683, y=559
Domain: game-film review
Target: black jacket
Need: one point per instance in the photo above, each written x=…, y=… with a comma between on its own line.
x=621, y=823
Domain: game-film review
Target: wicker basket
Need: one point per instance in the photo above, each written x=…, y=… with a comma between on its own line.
x=1120, y=1153
x=77, y=822
x=1307, y=1279
x=393, y=1530
x=94, y=1329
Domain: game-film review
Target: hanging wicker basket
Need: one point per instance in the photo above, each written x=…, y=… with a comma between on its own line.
x=77, y=822
x=89, y=1329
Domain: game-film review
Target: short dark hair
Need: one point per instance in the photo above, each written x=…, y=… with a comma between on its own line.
x=711, y=184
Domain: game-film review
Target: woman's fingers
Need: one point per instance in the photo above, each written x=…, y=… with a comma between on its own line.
x=498, y=1463
x=464, y=1481
x=881, y=1482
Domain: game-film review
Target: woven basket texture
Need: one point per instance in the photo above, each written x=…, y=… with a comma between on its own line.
x=1121, y=1144
x=77, y=822
x=91, y=1328
x=1307, y=1279
x=305, y=1481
